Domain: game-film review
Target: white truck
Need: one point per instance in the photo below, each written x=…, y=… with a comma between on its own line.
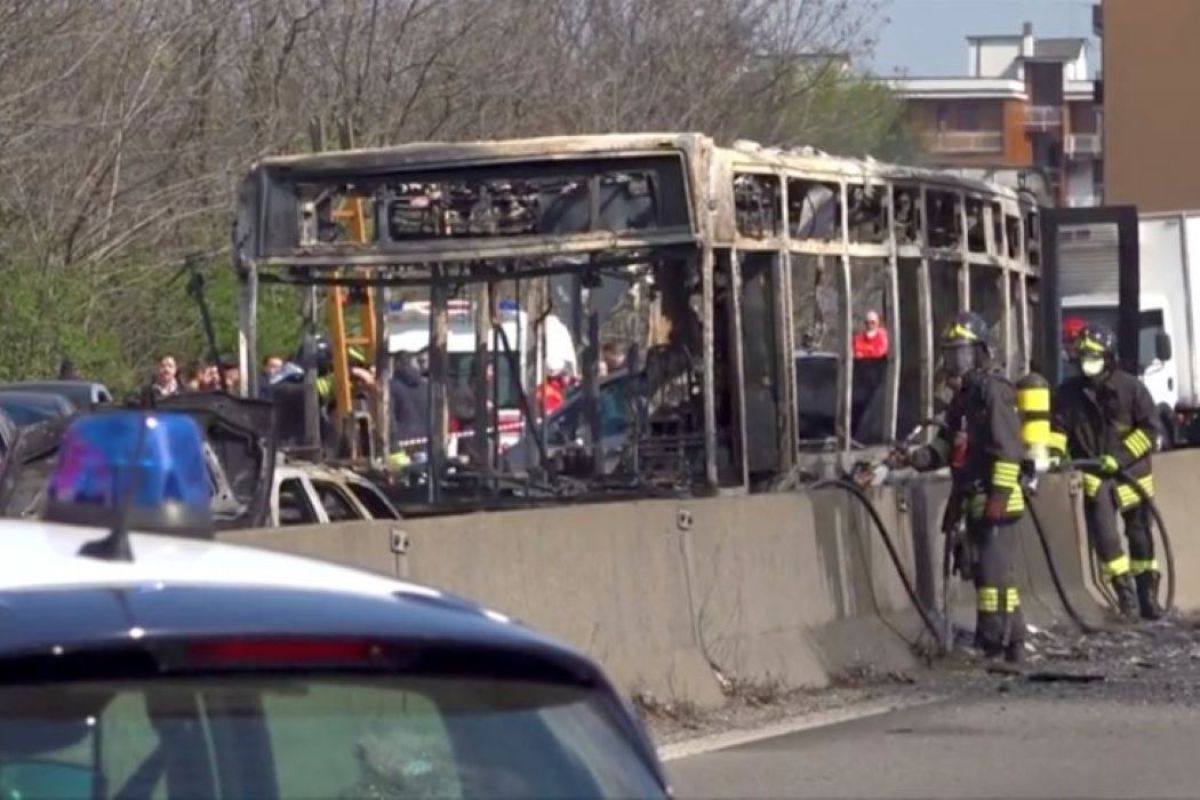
x=1168, y=340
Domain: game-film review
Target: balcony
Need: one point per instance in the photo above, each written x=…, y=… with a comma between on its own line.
x=964, y=142
x=1082, y=145
x=1043, y=118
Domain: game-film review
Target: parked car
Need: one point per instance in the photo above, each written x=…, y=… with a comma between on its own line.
x=313, y=494
x=85, y=395
x=249, y=488
x=8, y=435
x=29, y=407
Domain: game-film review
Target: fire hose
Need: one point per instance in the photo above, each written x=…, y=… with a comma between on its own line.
x=944, y=633
x=1092, y=467
x=894, y=554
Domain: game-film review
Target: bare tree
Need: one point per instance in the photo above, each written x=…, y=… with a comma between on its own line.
x=124, y=124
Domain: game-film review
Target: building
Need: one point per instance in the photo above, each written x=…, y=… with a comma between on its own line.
x=1151, y=117
x=1025, y=103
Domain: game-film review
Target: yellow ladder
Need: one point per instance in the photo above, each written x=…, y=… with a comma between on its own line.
x=342, y=302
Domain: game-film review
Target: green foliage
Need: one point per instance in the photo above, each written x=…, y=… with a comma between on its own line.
x=114, y=320
x=834, y=110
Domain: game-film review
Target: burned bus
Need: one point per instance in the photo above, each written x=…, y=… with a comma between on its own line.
x=732, y=280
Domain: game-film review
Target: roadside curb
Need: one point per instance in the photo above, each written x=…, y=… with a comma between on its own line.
x=804, y=722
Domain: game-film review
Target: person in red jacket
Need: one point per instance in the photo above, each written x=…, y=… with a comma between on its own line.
x=872, y=340
x=553, y=390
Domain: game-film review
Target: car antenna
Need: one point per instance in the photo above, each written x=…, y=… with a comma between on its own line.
x=115, y=546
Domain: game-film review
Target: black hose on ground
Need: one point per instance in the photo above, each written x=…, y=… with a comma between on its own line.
x=893, y=553
x=1093, y=467
x=1063, y=597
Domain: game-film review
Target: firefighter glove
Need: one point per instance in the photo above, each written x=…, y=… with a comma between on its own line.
x=1108, y=464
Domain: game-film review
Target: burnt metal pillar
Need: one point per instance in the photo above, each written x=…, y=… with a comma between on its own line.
x=248, y=333
x=481, y=306
x=710, y=407
x=438, y=377
x=383, y=377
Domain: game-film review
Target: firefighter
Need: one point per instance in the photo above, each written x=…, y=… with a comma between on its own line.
x=981, y=443
x=1108, y=415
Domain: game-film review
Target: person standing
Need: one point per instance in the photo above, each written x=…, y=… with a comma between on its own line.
x=981, y=443
x=165, y=382
x=872, y=341
x=1108, y=415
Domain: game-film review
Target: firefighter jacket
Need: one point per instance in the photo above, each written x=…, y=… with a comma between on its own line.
x=981, y=443
x=1112, y=416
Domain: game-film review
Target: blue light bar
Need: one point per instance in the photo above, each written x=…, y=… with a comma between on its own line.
x=105, y=456
x=507, y=305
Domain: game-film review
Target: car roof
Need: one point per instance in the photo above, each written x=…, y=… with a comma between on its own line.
x=34, y=553
x=42, y=398
x=294, y=469
x=75, y=391
x=51, y=597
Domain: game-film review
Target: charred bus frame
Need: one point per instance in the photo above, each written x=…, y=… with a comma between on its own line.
x=747, y=244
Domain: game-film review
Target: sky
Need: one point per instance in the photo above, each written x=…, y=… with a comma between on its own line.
x=927, y=38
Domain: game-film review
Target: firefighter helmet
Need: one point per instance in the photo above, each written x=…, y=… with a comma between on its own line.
x=966, y=328
x=1095, y=340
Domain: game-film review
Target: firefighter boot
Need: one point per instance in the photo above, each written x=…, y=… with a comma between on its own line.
x=1147, y=595
x=1014, y=648
x=1127, y=595
x=989, y=634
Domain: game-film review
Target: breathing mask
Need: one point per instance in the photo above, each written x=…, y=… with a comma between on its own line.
x=958, y=360
x=1091, y=366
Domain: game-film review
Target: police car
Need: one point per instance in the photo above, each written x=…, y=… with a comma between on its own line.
x=164, y=664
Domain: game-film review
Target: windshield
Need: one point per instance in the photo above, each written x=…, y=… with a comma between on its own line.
x=1150, y=325
x=315, y=737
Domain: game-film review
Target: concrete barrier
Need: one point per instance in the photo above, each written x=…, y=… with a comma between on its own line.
x=1177, y=496
x=677, y=597
x=686, y=597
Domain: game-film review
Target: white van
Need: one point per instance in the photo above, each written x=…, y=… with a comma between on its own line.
x=408, y=331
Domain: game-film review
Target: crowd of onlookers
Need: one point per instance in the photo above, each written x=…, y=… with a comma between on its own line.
x=204, y=376
x=409, y=387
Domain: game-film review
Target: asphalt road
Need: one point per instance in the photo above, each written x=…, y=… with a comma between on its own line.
x=1132, y=729
x=986, y=746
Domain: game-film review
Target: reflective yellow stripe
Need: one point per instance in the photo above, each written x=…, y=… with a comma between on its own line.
x=1088, y=345
x=988, y=598
x=1036, y=399
x=1091, y=484
x=1005, y=474
x=1127, y=497
x=324, y=386
x=1057, y=441
x=1138, y=444
x=1012, y=599
x=1118, y=566
x=1141, y=565
x=1016, y=503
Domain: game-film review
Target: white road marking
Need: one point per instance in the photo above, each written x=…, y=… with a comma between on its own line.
x=820, y=719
